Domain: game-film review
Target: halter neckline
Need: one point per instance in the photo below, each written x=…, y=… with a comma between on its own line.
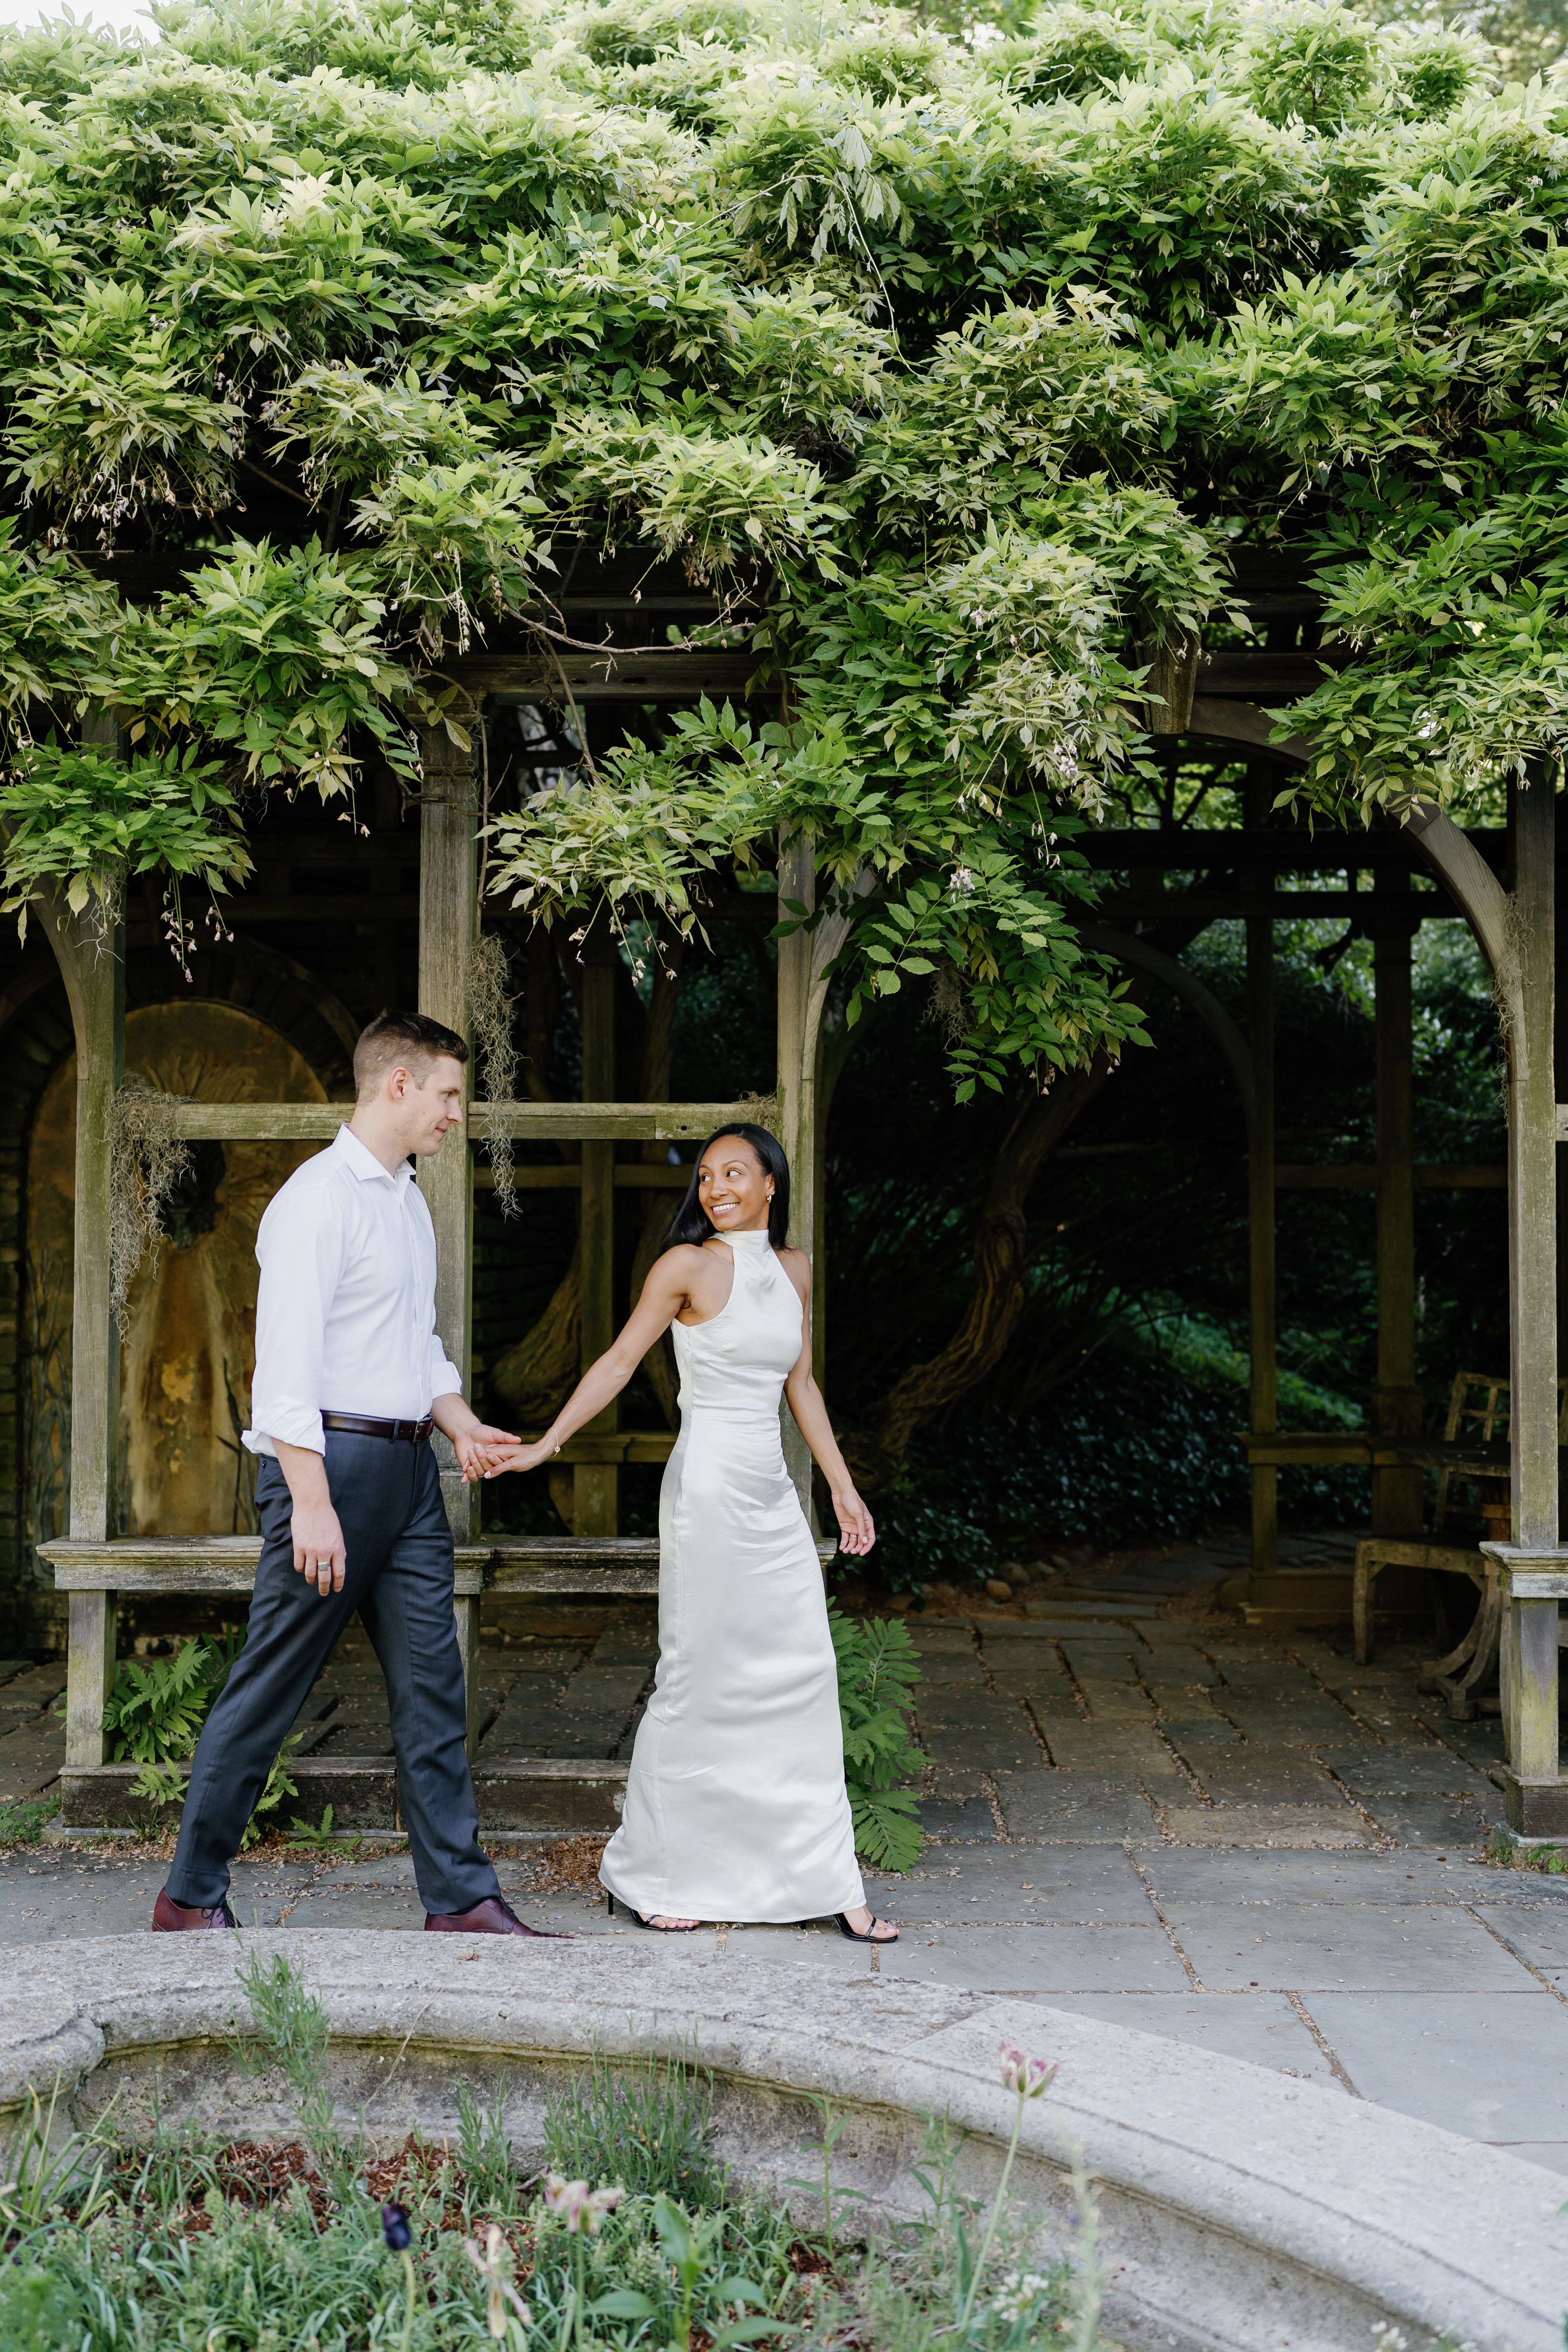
x=761, y=1235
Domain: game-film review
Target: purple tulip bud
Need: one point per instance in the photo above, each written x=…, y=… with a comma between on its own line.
x=394, y=2229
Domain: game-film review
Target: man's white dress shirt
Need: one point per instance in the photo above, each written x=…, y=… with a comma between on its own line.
x=345, y=1314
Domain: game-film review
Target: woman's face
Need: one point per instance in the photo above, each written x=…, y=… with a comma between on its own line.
x=733, y=1187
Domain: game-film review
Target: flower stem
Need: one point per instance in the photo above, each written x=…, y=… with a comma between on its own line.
x=408, y=2311
x=996, y=2216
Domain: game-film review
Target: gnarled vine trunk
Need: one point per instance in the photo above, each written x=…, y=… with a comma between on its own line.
x=878, y=1446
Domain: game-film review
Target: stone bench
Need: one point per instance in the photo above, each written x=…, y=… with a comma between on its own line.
x=534, y=1793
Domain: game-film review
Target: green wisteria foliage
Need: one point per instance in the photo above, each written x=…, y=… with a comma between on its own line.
x=959, y=366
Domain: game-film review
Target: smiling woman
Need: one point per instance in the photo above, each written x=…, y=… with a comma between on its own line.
x=735, y=1808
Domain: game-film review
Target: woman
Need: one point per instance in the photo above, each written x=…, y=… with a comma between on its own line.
x=736, y=1804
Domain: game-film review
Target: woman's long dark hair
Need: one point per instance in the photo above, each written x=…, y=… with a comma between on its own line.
x=691, y=1222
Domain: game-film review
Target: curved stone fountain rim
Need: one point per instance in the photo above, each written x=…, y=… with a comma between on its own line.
x=1218, y=2162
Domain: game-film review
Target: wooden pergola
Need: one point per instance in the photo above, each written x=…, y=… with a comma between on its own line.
x=1210, y=702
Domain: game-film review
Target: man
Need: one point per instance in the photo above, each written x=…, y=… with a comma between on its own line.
x=350, y=1377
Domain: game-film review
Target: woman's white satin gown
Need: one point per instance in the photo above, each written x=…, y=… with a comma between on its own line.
x=736, y=1804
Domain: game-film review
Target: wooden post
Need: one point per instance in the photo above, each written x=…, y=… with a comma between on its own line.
x=1262, y=1336
x=820, y=1098
x=93, y=965
x=798, y=1025
x=1560, y=999
x=1396, y=1505
x=448, y=821
x=595, y=1485
x=1529, y=1627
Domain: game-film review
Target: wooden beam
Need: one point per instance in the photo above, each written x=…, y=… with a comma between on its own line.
x=633, y=1177
x=797, y=1065
x=1428, y=1175
x=619, y=674
x=1128, y=949
x=98, y=1007
x=92, y=964
x=613, y=1445
x=1457, y=861
x=595, y=1484
x=1286, y=849
x=448, y=883
x=529, y=1122
x=371, y=909
x=1262, y=1343
x=1396, y=1494
x=187, y=1564
x=1529, y=1647
x=1252, y=673
x=1219, y=905
x=616, y=1122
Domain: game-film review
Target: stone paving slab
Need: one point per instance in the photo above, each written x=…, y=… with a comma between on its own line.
x=1435, y=1821
x=1038, y=1961
x=1407, y=1772
x=1081, y=1805
x=1263, y=2028
x=1086, y=1747
x=1262, y=1826
x=1538, y=1932
x=1015, y=1883
x=46, y=1893
x=951, y=1817
x=1375, y=1947
x=1240, y=1776
x=1178, y=1877
x=992, y=1745
x=30, y=1757
x=1496, y=2070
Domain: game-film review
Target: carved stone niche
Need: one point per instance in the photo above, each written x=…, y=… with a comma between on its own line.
x=188, y=1353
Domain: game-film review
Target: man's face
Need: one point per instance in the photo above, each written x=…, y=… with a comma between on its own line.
x=429, y=1107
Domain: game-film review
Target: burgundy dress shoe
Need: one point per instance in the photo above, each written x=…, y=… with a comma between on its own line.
x=492, y=1918
x=169, y=1916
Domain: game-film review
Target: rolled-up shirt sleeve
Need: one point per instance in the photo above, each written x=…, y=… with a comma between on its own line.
x=300, y=1250
x=446, y=1379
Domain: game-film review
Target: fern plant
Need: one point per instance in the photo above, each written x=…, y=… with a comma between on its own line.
x=154, y=1713
x=878, y=1670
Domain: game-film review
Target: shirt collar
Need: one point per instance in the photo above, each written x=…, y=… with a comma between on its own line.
x=363, y=1162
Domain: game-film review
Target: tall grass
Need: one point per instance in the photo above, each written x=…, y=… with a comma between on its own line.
x=648, y=2120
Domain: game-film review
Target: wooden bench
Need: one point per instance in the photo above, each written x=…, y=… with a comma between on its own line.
x=1467, y=1669
x=93, y=1575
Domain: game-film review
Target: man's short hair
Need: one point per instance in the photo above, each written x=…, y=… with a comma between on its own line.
x=410, y=1039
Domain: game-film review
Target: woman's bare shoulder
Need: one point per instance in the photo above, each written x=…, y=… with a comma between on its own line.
x=683, y=1256
x=678, y=1267
x=797, y=1265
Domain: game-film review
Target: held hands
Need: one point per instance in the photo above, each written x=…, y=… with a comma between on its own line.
x=498, y=1453
x=856, y=1532
x=475, y=1445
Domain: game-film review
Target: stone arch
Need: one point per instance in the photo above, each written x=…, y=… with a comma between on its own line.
x=285, y=1002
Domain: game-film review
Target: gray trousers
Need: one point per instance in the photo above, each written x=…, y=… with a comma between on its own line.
x=387, y=1497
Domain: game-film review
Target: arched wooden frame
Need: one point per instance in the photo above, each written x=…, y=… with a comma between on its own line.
x=1513, y=928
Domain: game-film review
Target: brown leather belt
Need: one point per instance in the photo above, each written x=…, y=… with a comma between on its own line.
x=359, y=1425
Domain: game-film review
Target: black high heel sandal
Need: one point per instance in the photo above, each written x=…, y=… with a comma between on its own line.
x=870, y=1936
x=648, y=1923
